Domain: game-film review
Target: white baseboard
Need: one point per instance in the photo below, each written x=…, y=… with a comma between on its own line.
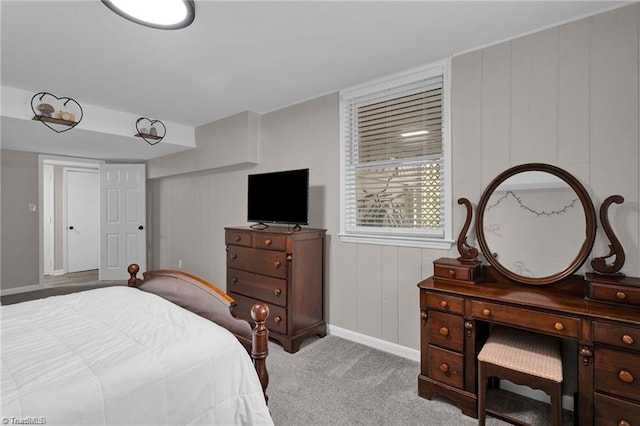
x=16, y=290
x=383, y=345
x=58, y=272
x=414, y=355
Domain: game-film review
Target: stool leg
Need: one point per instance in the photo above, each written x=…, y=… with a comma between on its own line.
x=556, y=406
x=482, y=393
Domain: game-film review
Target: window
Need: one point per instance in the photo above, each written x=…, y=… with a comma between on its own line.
x=395, y=160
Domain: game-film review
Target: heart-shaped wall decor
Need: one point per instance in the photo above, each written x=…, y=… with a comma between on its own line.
x=152, y=131
x=57, y=113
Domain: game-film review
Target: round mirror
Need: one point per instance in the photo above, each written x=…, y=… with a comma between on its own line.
x=535, y=224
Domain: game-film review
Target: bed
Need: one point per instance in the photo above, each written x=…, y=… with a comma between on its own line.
x=171, y=354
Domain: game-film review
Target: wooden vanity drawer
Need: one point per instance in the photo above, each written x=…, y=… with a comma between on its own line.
x=455, y=270
x=615, y=412
x=444, y=302
x=237, y=238
x=270, y=242
x=446, y=366
x=269, y=289
x=622, y=337
x=620, y=294
x=277, y=320
x=617, y=372
x=533, y=320
x=265, y=262
x=446, y=330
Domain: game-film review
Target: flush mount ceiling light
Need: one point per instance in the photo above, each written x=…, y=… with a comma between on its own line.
x=163, y=14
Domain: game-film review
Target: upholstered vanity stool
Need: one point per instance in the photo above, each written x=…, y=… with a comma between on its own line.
x=525, y=358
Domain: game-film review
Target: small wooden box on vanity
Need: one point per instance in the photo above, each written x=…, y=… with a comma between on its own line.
x=456, y=269
x=285, y=270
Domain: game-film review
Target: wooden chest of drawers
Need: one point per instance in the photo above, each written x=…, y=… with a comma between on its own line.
x=284, y=269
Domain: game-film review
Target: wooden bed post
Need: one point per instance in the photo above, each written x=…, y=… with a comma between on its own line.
x=259, y=347
x=133, y=270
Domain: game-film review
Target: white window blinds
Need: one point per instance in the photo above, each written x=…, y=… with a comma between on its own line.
x=394, y=160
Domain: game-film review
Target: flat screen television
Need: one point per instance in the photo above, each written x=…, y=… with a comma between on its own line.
x=279, y=197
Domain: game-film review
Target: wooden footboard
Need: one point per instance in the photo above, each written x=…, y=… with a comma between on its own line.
x=205, y=299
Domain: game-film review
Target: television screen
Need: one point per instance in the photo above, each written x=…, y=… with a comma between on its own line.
x=279, y=197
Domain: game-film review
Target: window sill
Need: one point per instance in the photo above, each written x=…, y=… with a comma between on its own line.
x=438, y=244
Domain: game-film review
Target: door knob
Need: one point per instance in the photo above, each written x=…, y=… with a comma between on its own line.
x=141, y=227
x=71, y=227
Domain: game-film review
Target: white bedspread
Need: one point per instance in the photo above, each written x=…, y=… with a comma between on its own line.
x=119, y=355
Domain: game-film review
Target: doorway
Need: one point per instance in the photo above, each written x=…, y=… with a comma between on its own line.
x=70, y=218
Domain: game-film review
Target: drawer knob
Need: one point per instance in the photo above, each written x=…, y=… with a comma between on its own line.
x=234, y=280
x=443, y=304
x=486, y=312
x=237, y=238
x=625, y=376
x=267, y=242
x=624, y=423
x=277, y=319
x=444, y=368
x=234, y=256
x=277, y=291
x=277, y=264
x=558, y=326
x=423, y=317
x=621, y=295
x=451, y=272
x=444, y=331
x=627, y=339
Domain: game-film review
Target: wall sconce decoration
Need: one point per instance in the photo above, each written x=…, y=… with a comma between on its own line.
x=152, y=134
x=57, y=113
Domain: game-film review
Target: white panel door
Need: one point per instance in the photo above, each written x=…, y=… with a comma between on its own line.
x=82, y=219
x=123, y=215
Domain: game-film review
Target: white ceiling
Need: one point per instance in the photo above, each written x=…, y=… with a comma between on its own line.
x=240, y=55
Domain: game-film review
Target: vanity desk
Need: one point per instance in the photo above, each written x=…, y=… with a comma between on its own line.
x=600, y=311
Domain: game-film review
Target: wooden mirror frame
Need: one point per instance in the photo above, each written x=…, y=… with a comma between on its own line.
x=587, y=205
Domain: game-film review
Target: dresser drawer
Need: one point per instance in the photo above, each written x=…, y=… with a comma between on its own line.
x=624, y=295
x=539, y=321
x=446, y=330
x=615, y=412
x=622, y=337
x=446, y=366
x=617, y=372
x=237, y=238
x=269, y=289
x=453, y=272
x=444, y=302
x=270, y=242
x=277, y=320
x=265, y=262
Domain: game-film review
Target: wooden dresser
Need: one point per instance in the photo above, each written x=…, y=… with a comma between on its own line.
x=456, y=316
x=284, y=269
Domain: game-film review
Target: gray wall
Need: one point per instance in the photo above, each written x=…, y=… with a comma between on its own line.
x=19, y=239
x=566, y=96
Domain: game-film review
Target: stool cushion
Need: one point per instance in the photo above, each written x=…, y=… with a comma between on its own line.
x=530, y=353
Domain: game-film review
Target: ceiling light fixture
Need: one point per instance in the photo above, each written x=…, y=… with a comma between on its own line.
x=419, y=132
x=162, y=14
